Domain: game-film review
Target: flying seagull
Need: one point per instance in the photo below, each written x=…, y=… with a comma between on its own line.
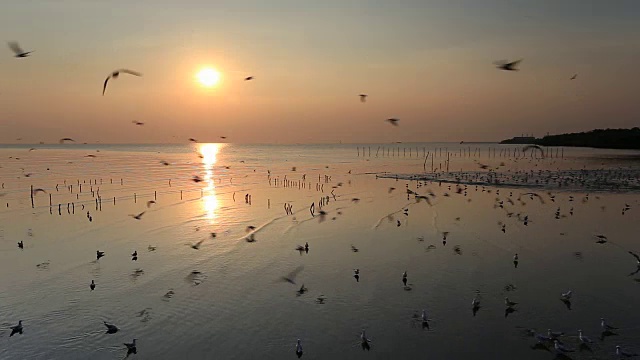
x=17, y=329
x=363, y=97
x=574, y=77
x=393, y=121
x=291, y=277
x=17, y=50
x=137, y=123
x=509, y=66
x=115, y=75
x=248, y=78
x=196, y=246
x=139, y=216
x=635, y=256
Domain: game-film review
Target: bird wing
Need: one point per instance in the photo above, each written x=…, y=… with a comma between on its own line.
x=130, y=72
x=140, y=215
x=15, y=47
x=199, y=242
x=292, y=275
x=514, y=63
x=104, y=87
x=634, y=255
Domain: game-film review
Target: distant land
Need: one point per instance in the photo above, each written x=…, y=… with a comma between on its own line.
x=599, y=138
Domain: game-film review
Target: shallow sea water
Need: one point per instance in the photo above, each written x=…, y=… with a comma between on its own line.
x=224, y=301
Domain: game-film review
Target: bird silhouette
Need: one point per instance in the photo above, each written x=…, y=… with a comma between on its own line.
x=363, y=97
x=248, y=78
x=61, y=141
x=139, y=216
x=137, y=123
x=16, y=329
x=92, y=286
x=574, y=77
x=17, y=50
x=509, y=66
x=111, y=329
x=131, y=348
x=291, y=277
x=393, y=121
x=99, y=254
x=114, y=75
x=196, y=246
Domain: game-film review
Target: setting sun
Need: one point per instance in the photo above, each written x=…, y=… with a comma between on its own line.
x=208, y=77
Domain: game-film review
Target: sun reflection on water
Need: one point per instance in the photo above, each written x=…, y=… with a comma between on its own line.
x=209, y=157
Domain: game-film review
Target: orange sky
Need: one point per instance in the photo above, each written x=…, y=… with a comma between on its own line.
x=428, y=63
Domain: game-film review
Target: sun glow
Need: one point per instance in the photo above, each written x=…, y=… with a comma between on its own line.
x=209, y=154
x=208, y=77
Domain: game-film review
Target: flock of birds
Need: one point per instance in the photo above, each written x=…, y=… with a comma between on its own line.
x=530, y=178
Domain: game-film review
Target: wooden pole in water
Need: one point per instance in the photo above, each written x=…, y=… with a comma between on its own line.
x=180, y=194
x=135, y=198
x=155, y=195
x=32, y=205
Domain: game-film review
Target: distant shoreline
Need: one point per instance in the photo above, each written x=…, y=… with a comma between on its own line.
x=622, y=139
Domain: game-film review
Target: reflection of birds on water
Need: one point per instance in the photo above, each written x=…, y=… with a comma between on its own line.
x=291, y=277
x=509, y=66
x=17, y=50
x=16, y=329
x=111, y=329
x=114, y=75
x=393, y=121
x=131, y=348
x=363, y=97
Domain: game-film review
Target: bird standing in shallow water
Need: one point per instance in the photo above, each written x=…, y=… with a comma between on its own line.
x=134, y=256
x=21, y=245
x=356, y=274
x=92, y=286
x=131, y=348
x=299, y=349
x=404, y=278
x=17, y=329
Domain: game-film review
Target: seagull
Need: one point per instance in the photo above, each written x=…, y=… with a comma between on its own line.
x=111, y=329
x=134, y=256
x=196, y=246
x=356, y=274
x=92, y=285
x=364, y=340
x=393, y=121
x=137, y=217
x=601, y=239
x=291, y=277
x=196, y=179
x=99, y=254
x=61, y=141
x=137, y=123
x=619, y=352
x=363, y=97
x=299, y=349
x=17, y=329
x=509, y=303
x=554, y=335
x=566, y=296
x=164, y=163
x=193, y=140
x=509, y=66
x=605, y=326
x=17, y=50
x=635, y=256
x=131, y=348
x=560, y=348
x=354, y=249
x=302, y=290
x=21, y=244
x=584, y=339
x=115, y=75
x=248, y=78
x=151, y=248
x=574, y=77
x=404, y=278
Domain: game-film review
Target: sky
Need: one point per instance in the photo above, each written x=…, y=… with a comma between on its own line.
x=428, y=63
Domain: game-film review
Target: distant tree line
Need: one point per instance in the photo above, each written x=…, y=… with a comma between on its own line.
x=599, y=138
